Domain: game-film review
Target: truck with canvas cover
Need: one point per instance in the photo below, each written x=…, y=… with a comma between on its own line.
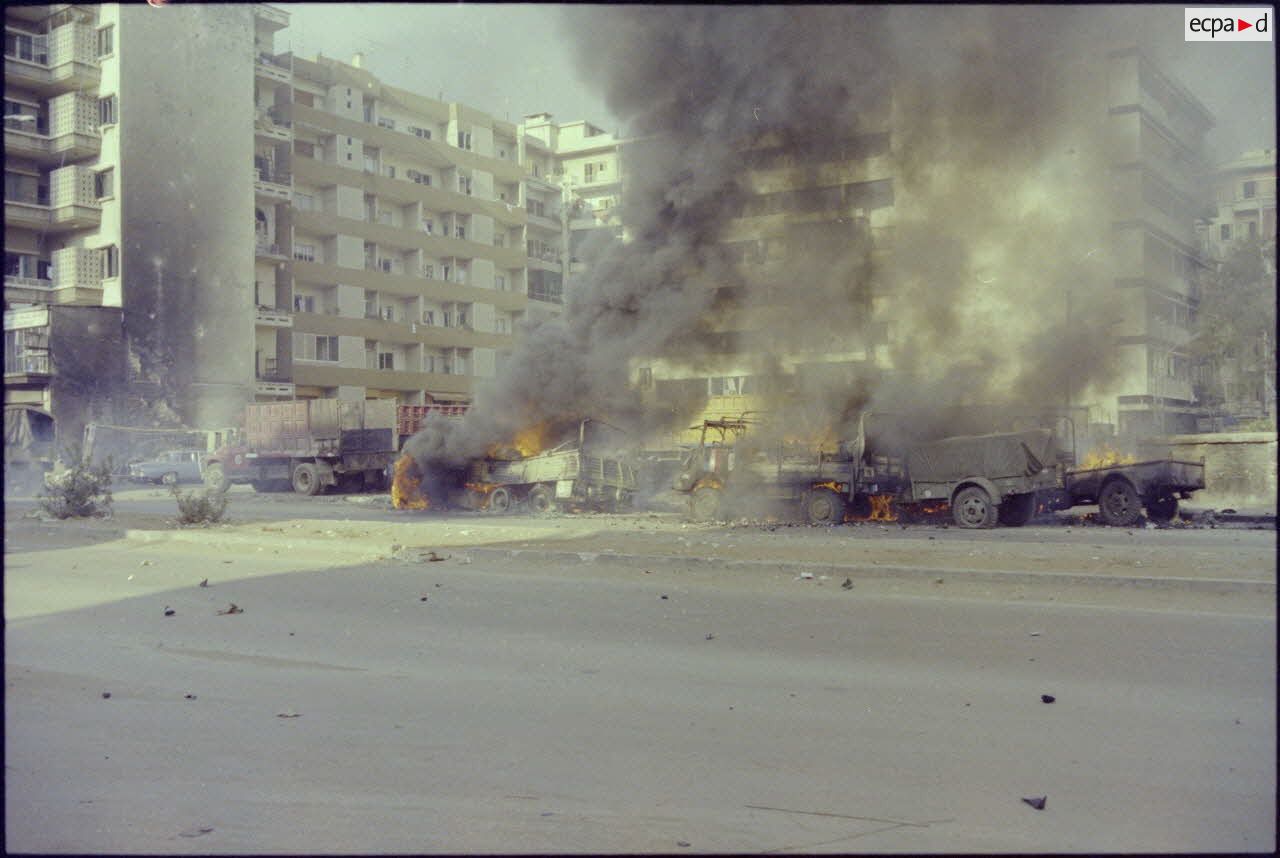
x=309, y=445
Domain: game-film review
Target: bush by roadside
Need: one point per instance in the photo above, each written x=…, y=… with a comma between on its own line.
x=200, y=507
x=81, y=491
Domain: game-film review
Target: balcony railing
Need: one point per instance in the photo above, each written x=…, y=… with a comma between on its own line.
x=264, y=249
x=29, y=364
x=12, y=280
x=33, y=198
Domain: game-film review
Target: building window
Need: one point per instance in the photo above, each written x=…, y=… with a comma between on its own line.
x=645, y=378
x=1250, y=190
x=1225, y=232
x=464, y=140
x=304, y=202
x=424, y=133
x=500, y=282
x=464, y=185
x=304, y=252
x=104, y=183
x=107, y=112
x=313, y=347
x=106, y=38
x=1253, y=229
x=24, y=46
x=386, y=360
x=111, y=261
x=428, y=317
x=588, y=172
x=304, y=303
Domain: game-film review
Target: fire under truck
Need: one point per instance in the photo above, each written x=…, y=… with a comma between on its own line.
x=1004, y=478
x=587, y=470
x=309, y=445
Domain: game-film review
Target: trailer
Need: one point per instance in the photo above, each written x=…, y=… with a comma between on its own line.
x=1123, y=492
x=308, y=445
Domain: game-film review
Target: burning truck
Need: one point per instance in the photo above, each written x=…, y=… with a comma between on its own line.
x=1005, y=477
x=588, y=470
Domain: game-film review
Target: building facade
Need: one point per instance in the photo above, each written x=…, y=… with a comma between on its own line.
x=1244, y=203
x=1157, y=134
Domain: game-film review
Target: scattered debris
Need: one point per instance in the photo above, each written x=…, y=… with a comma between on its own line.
x=106, y=695
x=274, y=529
x=233, y=608
x=205, y=582
x=682, y=843
x=710, y=637
x=422, y=599
x=1047, y=698
x=146, y=563
x=432, y=557
x=195, y=832
x=664, y=595
x=189, y=697
x=168, y=612
x=1037, y=802
x=288, y=714
x=848, y=584
x=805, y=576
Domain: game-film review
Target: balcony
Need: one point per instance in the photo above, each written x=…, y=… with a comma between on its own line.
x=273, y=69
x=275, y=18
x=30, y=62
x=273, y=317
x=270, y=124
x=262, y=250
x=272, y=186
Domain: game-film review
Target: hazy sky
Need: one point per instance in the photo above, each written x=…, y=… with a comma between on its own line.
x=510, y=60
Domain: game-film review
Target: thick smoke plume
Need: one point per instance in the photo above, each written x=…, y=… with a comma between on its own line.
x=991, y=281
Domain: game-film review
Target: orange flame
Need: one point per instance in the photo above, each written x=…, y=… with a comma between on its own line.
x=1104, y=457
x=406, y=486
x=882, y=508
x=527, y=442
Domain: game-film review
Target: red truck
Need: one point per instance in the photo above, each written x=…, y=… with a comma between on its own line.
x=308, y=445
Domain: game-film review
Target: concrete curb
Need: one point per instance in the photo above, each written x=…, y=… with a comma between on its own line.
x=789, y=567
x=880, y=571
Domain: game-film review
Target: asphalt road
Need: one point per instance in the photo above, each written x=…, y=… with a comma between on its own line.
x=507, y=703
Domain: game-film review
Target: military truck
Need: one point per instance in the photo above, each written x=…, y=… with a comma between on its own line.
x=308, y=445
x=586, y=471
x=727, y=474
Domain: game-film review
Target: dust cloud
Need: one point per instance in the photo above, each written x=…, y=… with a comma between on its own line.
x=992, y=281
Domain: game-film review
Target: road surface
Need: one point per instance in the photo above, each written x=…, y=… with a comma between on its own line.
x=504, y=699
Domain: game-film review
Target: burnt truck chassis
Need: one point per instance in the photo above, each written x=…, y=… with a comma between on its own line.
x=1004, y=478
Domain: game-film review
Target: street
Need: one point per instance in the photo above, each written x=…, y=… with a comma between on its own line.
x=616, y=683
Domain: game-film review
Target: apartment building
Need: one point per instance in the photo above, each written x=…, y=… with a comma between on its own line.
x=1156, y=130
x=586, y=174
x=1244, y=203
x=406, y=240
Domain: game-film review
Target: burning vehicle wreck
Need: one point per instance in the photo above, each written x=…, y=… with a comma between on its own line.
x=588, y=470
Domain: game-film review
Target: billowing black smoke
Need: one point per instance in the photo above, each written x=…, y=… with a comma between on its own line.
x=980, y=127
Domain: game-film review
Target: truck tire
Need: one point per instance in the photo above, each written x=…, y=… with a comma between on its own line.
x=1118, y=503
x=1017, y=510
x=500, y=500
x=823, y=506
x=972, y=508
x=169, y=479
x=1162, y=510
x=540, y=499
x=704, y=503
x=306, y=480
x=215, y=479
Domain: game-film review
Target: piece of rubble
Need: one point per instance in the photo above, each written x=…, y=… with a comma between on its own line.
x=710, y=637
x=189, y=697
x=1037, y=802
x=432, y=557
x=169, y=612
x=195, y=832
x=1047, y=698
x=232, y=608
x=106, y=695
x=293, y=715
x=848, y=584
x=804, y=576
x=204, y=583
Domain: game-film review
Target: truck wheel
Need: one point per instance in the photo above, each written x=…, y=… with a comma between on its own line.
x=1118, y=504
x=170, y=479
x=704, y=504
x=305, y=479
x=972, y=508
x=824, y=506
x=215, y=479
x=540, y=499
x=499, y=500
x=1162, y=510
x=1017, y=510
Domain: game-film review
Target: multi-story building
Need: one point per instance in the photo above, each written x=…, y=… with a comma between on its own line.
x=1157, y=132
x=406, y=238
x=1244, y=195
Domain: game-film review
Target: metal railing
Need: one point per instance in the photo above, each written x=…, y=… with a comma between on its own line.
x=27, y=282
x=35, y=364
